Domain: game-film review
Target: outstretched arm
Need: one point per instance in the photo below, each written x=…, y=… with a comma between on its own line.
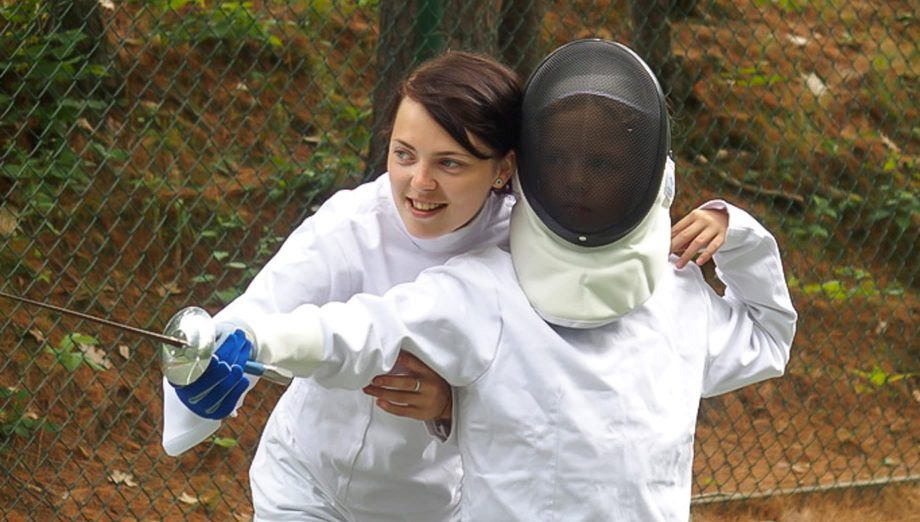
x=450, y=318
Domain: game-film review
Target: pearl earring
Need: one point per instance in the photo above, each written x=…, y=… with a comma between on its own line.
x=498, y=182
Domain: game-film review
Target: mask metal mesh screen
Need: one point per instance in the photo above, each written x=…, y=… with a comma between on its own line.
x=595, y=139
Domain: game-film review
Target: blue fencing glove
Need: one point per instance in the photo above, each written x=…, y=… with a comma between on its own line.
x=214, y=395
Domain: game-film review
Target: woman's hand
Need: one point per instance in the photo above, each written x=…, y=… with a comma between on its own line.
x=699, y=232
x=417, y=392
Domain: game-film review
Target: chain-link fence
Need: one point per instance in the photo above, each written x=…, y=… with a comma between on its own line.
x=153, y=154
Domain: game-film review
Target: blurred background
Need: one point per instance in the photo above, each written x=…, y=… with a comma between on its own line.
x=154, y=154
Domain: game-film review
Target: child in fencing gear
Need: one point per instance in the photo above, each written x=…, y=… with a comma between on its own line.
x=579, y=357
x=594, y=188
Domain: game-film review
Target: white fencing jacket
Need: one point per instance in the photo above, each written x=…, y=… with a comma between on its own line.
x=556, y=423
x=364, y=458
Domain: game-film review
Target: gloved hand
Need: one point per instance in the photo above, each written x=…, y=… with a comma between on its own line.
x=215, y=394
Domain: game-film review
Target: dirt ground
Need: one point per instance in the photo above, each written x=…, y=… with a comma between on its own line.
x=829, y=420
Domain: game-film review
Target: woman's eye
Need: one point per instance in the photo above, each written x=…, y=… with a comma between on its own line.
x=402, y=155
x=450, y=164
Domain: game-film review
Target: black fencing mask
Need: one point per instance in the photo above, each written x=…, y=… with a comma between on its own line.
x=595, y=139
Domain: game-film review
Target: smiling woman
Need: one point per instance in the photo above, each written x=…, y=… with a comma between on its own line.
x=452, y=136
x=438, y=185
x=342, y=454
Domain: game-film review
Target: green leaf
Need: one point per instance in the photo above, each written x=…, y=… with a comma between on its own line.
x=818, y=231
x=834, y=290
x=225, y=442
x=84, y=339
x=70, y=360
x=225, y=296
x=901, y=376
x=878, y=377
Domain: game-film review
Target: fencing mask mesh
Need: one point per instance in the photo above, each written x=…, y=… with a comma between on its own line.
x=595, y=139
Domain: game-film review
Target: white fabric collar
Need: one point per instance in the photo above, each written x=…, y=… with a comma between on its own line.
x=586, y=287
x=463, y=238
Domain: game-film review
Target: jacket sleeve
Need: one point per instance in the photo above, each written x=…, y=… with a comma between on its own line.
x=750, y=329
x=450, y=318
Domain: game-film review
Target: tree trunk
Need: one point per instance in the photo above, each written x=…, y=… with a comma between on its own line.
x=651, y=39
x=415, y=30
x=472, y=25
x=396, y=54
x=519, y=34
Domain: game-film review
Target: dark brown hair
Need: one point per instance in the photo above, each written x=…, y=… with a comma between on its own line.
x=466, y=92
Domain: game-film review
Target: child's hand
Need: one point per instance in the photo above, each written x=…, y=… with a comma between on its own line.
x=699, y=232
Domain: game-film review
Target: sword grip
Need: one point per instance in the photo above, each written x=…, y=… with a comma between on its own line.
x=269, y=372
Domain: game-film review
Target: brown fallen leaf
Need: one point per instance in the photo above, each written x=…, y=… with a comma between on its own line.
x=8, y=222
x=185, y=498
x=120, y=477
x=95, y=355
x=172, y=288
x=83, y=451
x=210, y=498
x=37, y=335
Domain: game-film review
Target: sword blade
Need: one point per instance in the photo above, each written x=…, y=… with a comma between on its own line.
x=124, y=327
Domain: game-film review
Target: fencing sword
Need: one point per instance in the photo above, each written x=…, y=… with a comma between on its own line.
x=186, y=344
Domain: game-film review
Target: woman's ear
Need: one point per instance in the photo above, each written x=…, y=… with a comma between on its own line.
x=507, y=167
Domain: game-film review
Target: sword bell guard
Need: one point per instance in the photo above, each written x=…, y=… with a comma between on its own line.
x=182, y=365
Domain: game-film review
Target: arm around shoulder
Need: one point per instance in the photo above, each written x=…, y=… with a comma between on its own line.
x=344, y=345
x=752, y=327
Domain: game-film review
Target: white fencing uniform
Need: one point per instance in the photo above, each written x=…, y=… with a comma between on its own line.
x=557, y=423
x=332, y=454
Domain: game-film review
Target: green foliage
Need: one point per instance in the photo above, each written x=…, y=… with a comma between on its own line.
x=242, y=271
x=851, y=282
x=795, y=6
x=877, y=379
x=74, y=350
x=752, y=77
x=899, y=206
x=225, y=442
x=41, y=105
x=824, y=215
x=16, y=420
x=224, y=23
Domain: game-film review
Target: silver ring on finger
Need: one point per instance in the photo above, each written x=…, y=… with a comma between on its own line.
x=418, y=385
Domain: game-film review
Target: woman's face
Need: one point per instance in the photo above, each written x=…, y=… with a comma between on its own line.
x=438, y=186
